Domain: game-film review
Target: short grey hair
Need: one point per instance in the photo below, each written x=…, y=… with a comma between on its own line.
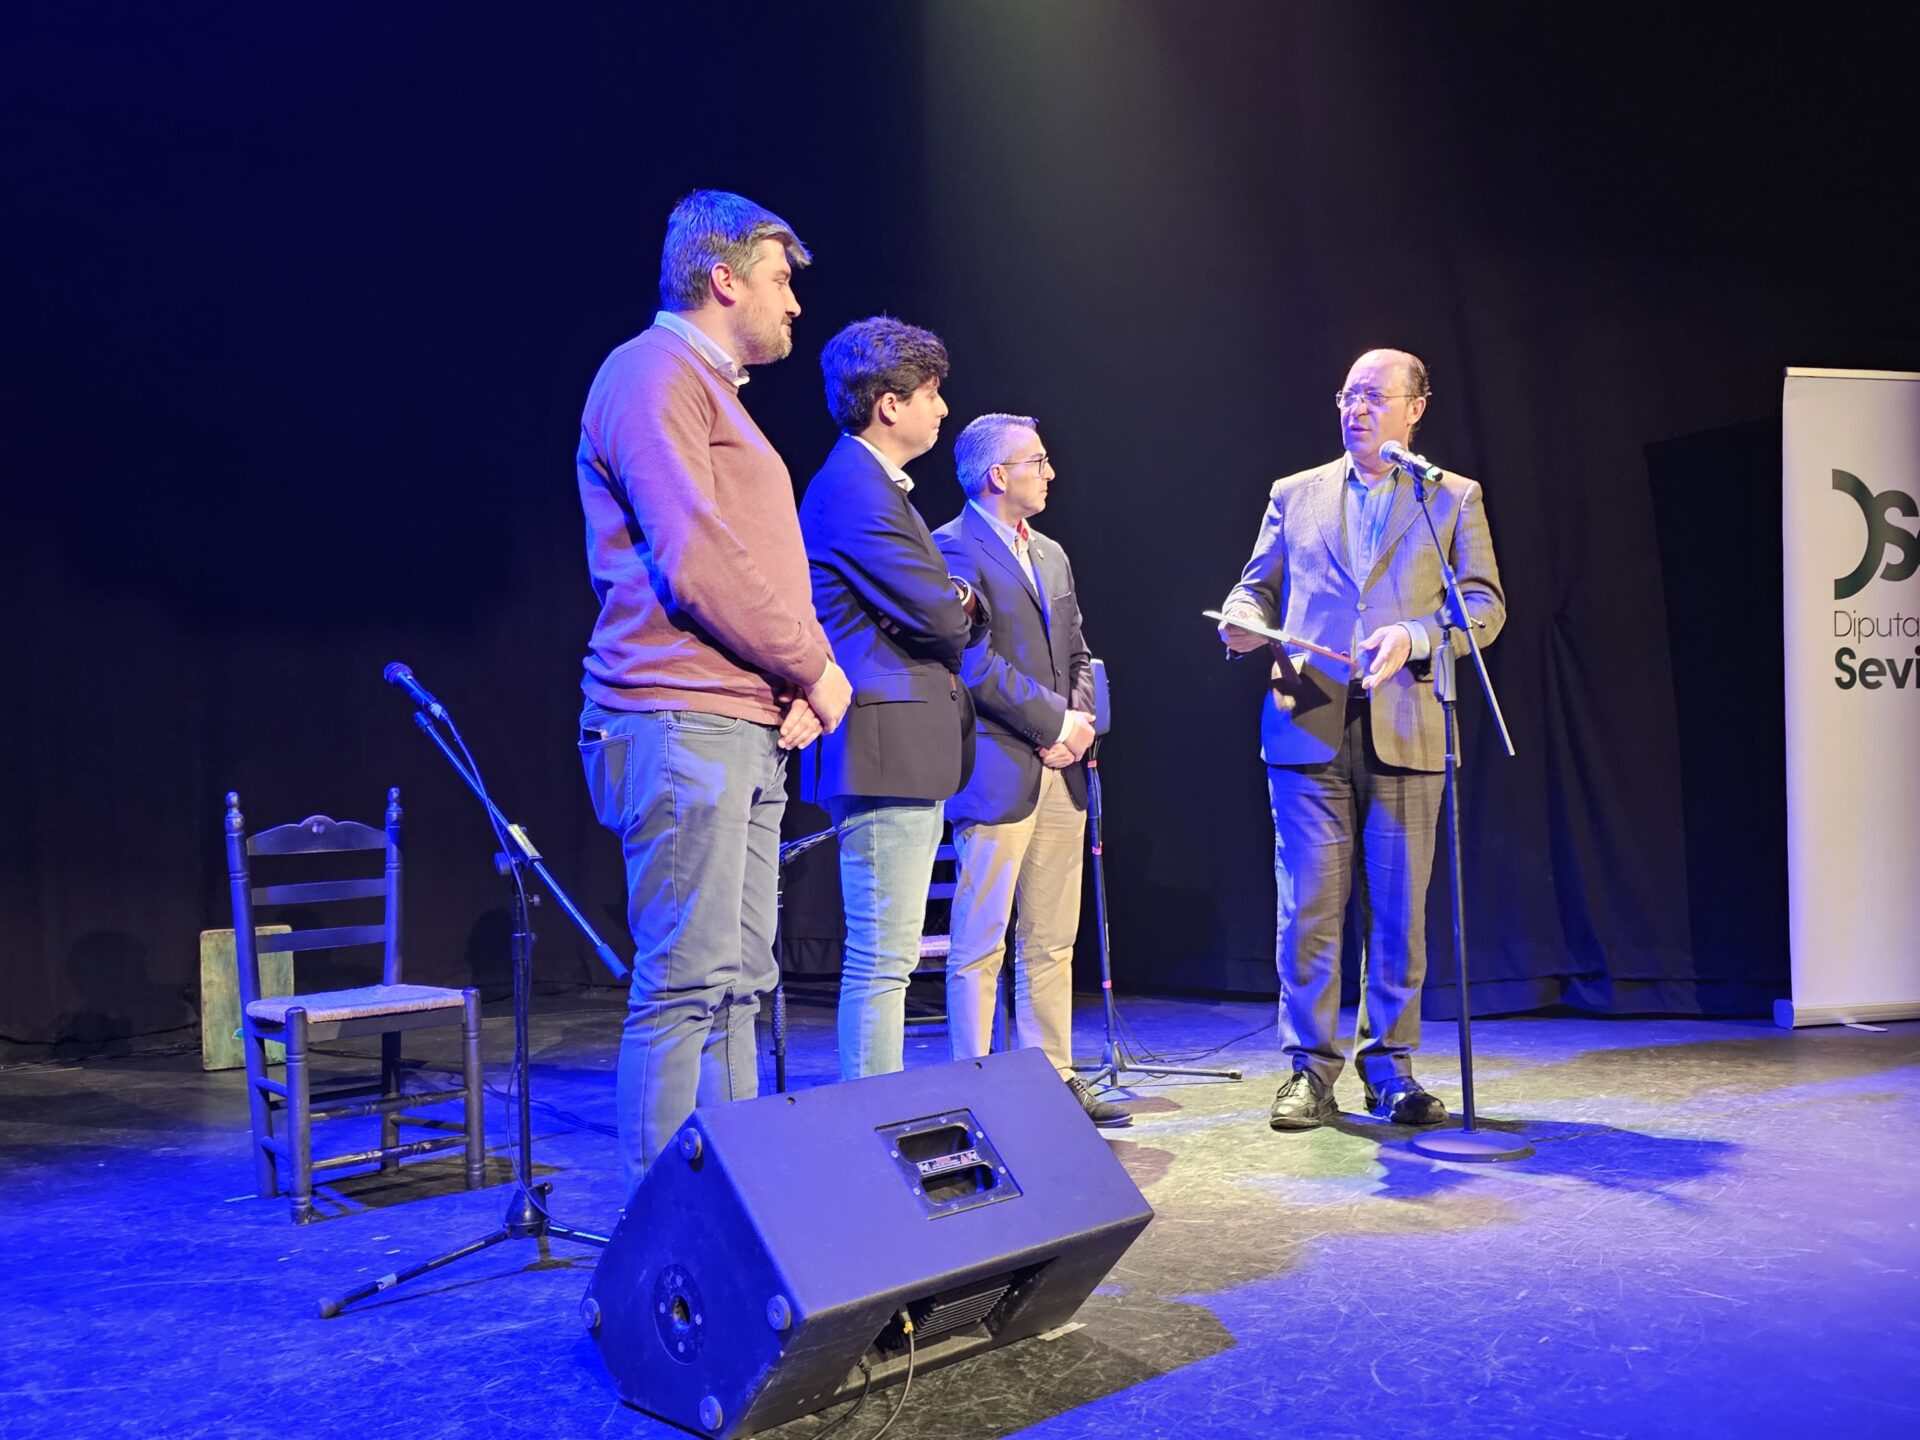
x=1419, y=383
x=714, y=227
x=983, y=445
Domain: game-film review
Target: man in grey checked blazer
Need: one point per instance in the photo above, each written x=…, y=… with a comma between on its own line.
x=1355, y=759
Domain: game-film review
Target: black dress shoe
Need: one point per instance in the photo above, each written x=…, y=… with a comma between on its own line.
x=1405, y=1103
x=1303, y=1103
x=1103, y=1113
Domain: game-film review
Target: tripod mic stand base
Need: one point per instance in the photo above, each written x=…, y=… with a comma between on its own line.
x=526, y=1219
x=1471, y=1145
x=1112, y=1073
x=1116, y=1060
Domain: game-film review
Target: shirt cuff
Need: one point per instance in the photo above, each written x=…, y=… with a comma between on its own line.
x=1422, y=645
x=1066, y=724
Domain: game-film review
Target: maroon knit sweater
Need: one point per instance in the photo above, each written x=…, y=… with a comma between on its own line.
x=692, y=543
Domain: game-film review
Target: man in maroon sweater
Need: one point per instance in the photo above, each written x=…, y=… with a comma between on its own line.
x=706, y=666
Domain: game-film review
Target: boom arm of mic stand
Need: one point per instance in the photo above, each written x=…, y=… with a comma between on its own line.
x=1458, y=605
x=518, y=838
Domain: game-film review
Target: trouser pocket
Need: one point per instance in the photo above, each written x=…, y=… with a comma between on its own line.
x=608, y=763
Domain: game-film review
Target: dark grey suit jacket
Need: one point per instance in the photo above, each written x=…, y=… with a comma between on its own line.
x=1025, y=673
x=1299, y=579
x=898, y=629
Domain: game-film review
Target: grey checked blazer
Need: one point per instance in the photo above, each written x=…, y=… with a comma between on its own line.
x=1299, y=579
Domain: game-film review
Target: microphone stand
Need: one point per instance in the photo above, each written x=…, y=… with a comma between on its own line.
x=1468, y=1142
x=1115, y=1058
x=526, y=1217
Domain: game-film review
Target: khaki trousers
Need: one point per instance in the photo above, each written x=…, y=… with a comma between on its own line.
x=1030, y=867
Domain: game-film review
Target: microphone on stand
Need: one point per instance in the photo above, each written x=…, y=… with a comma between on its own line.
x=1423, y=470
x=401, y=678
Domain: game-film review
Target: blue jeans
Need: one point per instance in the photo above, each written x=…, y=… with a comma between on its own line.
x=696, y=800
x=886, y=863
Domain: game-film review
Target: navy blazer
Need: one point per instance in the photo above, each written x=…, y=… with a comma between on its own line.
x=898, y=629
x=1025, y=673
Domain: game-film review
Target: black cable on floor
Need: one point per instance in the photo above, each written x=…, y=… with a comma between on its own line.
x=906, y=1322
x=866, y=1384
x=1184, y=1057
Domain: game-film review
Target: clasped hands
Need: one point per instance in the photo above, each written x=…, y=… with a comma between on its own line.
x=1070, y=747
x=816, y=710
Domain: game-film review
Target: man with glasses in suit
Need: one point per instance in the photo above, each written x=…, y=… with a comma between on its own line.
x=1020, y=825
x=1356, y=760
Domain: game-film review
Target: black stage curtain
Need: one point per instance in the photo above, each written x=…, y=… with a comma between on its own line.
x=302, y=311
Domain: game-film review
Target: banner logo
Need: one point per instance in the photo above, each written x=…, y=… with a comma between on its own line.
x=1883, y=534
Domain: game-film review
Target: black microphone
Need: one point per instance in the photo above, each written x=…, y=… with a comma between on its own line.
x=401, y=678
x=1418, y=466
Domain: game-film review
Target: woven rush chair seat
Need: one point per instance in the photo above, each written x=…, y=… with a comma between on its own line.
x=357, y=1004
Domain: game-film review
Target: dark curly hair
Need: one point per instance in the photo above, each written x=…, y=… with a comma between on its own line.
x=871, y=358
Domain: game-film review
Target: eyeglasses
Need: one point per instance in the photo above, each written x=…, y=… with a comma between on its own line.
x=1372, y=399
x=1041, y=459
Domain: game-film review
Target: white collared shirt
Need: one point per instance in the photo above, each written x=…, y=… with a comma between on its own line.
x=894, y=472
x=1011, y=539
x=704, y=345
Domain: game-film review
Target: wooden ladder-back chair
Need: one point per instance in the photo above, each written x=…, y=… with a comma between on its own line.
x=285, y=1111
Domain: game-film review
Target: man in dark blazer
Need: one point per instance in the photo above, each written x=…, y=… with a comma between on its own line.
x=1019, y=826
x=1354, y=760
x=899, y=624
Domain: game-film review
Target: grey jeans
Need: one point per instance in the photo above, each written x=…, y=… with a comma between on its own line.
x=696, y=800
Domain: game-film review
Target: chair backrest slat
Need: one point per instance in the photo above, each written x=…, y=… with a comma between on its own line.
x=329, y=939
x=315, y=892
x=316, y=835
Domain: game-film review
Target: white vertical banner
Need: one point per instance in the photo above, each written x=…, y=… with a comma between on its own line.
x=1850, y=517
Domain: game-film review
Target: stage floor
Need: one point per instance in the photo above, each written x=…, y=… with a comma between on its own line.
x=1718, y=1233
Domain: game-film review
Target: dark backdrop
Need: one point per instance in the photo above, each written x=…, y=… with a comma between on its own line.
x=301, y=309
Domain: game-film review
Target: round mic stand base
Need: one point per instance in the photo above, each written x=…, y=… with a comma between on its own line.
x=1473, y=1145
